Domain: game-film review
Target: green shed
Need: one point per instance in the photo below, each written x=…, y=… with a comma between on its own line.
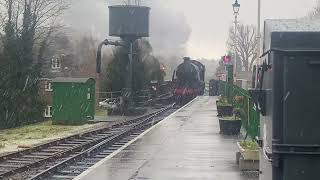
x=73, y=100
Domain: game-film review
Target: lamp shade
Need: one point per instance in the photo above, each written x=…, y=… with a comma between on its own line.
x=236, y=7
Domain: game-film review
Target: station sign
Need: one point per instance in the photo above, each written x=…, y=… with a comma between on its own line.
x=227, y=60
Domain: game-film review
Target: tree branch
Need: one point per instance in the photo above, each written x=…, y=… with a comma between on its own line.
x=244, y=43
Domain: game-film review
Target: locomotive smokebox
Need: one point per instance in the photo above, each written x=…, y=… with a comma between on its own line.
x=129, y=21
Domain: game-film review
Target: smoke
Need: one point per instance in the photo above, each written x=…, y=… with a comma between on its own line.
x=88, y=18
x=169, y=30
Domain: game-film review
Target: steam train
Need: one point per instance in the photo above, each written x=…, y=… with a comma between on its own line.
x=188, y=80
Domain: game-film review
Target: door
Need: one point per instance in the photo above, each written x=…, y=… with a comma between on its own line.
x=300, y=147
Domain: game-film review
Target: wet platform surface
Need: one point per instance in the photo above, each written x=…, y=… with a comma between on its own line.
x=185, y=146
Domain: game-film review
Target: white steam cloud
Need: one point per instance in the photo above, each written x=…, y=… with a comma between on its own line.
x=170, y=31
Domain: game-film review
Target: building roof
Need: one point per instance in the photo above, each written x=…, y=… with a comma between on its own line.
x=288, y=25
x=292, y=25
x=68, y=80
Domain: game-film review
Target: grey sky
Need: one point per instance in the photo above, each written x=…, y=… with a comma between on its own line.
x=210, y=19
x=199, y=26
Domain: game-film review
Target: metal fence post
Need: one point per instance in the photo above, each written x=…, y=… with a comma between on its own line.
x=229, y=82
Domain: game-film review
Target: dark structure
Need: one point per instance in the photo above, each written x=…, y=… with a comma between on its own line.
x=130, y=23
x=213, y=87
x=289, y=100
x=73, y=100
x=189, y=80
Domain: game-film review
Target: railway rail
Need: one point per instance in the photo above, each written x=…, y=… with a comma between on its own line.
x=66, y=158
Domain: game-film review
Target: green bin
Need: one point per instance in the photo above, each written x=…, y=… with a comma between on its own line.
x=73, y=100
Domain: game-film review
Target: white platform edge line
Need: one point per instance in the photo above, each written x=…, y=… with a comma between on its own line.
x=88, y=171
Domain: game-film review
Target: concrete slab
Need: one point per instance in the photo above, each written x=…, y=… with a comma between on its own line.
x=185, y=146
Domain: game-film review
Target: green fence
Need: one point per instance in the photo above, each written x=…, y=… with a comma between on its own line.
x=242, y=100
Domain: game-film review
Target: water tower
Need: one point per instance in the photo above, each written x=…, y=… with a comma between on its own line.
x=129, y=22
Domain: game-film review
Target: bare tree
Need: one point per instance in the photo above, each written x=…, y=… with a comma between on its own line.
x=31, y=22
x=86, y=49
x=315, y=13
x=244, y=43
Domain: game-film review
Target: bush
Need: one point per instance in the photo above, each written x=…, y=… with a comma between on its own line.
x=231, y=118
x=239, y=112
x=20, y=103
x=223, y=101
x=250, y=145
x=145, y=68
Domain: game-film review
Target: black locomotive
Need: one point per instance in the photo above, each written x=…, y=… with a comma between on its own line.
x=188, y=80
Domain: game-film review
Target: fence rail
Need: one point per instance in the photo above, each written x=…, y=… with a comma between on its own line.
x=241, y=99
x=108, y=95
x=142, y=96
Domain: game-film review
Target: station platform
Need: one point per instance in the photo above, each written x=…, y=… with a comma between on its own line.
x=185, y=146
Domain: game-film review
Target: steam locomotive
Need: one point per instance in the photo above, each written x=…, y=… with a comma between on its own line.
x=188, y=80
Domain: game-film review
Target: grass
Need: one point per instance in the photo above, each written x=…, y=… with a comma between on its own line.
x=29, y=136
x=101, y=113
x=250, y=145
x=37, y=131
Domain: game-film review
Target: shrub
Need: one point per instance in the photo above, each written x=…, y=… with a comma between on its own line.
x=238, y=98
x=232, y=118
x=223, y=101
x=250, y=145
x=240, y=113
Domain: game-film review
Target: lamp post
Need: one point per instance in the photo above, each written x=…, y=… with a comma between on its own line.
x=236, y=9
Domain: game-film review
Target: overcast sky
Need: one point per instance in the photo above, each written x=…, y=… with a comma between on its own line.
x=210, y=19
x=198, y=26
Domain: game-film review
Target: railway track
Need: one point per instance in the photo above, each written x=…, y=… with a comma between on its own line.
x=66, y=158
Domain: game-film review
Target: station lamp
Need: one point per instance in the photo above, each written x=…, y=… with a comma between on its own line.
x=236, y=7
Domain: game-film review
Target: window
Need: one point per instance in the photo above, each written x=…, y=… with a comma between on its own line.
x=48, y=112
x=55, y=63
x=48, y=86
